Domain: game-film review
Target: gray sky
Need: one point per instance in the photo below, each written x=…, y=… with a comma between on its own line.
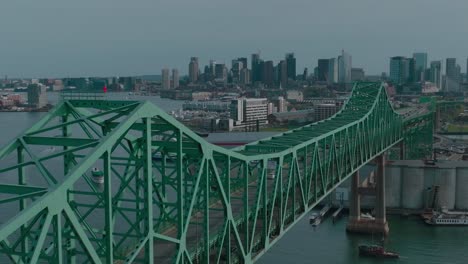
x=59, y=38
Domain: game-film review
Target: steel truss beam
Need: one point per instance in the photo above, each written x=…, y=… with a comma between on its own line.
x=170, y=197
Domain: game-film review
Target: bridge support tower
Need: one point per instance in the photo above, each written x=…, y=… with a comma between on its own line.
x=378, y=225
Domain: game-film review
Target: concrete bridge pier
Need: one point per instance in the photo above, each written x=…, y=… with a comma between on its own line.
x=378, y=225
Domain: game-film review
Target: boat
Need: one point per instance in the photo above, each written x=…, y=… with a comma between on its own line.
x=97, y=176
x=315, y=218
x=376, y=251
x=446, y=218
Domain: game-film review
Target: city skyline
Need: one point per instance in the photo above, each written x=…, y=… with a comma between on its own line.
x=128, y=39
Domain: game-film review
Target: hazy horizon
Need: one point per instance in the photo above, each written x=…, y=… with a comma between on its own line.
x=56, y=38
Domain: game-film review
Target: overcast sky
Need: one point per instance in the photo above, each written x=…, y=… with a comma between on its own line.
x=59, y=38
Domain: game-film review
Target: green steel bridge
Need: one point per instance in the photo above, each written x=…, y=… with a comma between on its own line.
x=169, y=196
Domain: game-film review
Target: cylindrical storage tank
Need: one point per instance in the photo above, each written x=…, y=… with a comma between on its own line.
x=393, y=186
x=412, y=188
x=446, y=178
x=461, y=196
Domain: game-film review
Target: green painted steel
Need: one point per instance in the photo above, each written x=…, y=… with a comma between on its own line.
x=167, y=195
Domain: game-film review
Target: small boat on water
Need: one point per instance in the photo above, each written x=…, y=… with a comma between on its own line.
x=376, y=251
x=97, y=176
x=315, y=218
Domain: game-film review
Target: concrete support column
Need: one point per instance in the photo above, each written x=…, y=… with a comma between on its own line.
x=355, y=203
x=380, y=211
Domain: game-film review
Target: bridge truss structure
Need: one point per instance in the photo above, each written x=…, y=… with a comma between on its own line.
x=169, y=196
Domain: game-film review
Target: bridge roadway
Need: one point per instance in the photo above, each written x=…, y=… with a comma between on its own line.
x=208, y=204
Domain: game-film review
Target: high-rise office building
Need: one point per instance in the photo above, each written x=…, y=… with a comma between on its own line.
x=37, y=95
x=236, y=67
x=305, y=74
x=175, y=78
x=245, y=111
x=412, y=70
x=344, y=67
x=220, y=71
x=452, y=75
x=193, y=70
x=332, y=71
x=328, y=70
x=291, y=64
x=245, y=76
x=399, y=70
x=268, y=73
x=244, y=62
x=322, y=70
x=283, y=73
x=435, y=74
x=165, y=80
x=420, y=66
x=256, y=68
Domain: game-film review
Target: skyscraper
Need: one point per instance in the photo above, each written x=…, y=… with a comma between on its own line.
x=268, y=73
x=193, y=70
x=291, y=65
x=256, y=67
x=322, y=70
x=220, y=72
x=344, y=67
x=305, y=74
x=399, y=70
x=283, y=73
x=435, y=73
x=332, y=71
x=165, y=80
x=420, y=65
x=236, y=67
x=244, y=62
x=452, y=75
x=175, y=78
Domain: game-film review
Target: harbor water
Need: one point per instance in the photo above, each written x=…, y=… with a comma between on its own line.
x=327, y=243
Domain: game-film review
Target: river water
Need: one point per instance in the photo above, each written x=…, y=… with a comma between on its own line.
x=327, y=243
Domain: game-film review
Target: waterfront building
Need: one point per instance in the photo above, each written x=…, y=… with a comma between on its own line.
x=399, y=70
x=165, y=80
x=435, y=74
x=344, y=67
x=420, y=62
x=193, y=70
x=247, y=111
x=291, y=66
x=324, y=111
x=37, y=95
x=175, y=78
